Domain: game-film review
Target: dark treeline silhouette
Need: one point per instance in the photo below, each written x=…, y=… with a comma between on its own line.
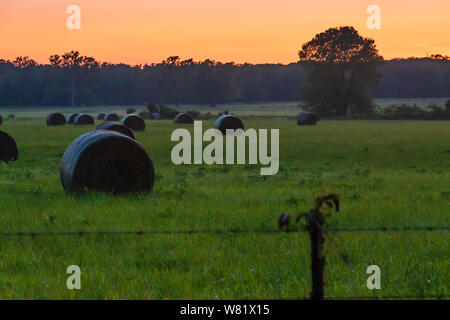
x=72, y=79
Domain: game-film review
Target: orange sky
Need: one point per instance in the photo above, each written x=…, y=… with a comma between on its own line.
x=255, y=31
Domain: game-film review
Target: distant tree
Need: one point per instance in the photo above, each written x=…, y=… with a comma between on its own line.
x=24, y=62
x=341, y=67
x=214, y=82
x=447, y=105
x=73, y=63
x=131, y=110
x=172, y=81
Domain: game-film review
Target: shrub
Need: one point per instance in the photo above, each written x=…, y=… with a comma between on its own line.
x=167, y=112
x=194, y=114
x=152, y=107
x=144, y=114
x=404, y=111
x=131, y=110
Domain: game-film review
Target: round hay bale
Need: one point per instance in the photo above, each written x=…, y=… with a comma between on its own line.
x=228, y=122
x=134, y=122
x=183, y=118
x=72, y=118
x=84, y=119
x=307, y=119
x=156, y=116
x=106, y=161
x=101, y=116
x=117, y=127
x=56, y=119
x=8, y=148
x=111, y=117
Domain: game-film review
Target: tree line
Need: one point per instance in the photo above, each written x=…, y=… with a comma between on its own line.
x=73, y=79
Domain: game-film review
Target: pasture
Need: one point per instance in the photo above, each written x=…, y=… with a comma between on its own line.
x=387, y=173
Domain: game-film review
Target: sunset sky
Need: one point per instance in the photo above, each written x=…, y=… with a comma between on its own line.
x=255, y=31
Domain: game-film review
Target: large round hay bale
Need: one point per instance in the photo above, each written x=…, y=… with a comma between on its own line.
x=106, y=161
x=111, y=117
x=184, y=118
x=8, y=148
x=118, y=127
x=134, y=122
x=84, y=119
x=228, y=122
x=307, y=119
x=56, y=119
x=72, y=118
x=101, y=116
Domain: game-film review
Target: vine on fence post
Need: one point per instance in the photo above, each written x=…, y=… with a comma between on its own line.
x=315, y=222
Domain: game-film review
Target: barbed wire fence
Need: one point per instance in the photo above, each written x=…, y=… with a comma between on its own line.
x=315, y=228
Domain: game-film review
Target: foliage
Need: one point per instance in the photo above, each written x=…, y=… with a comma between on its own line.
x=24, y=82
x=152, y=107
x=341, y=68
x=405, y=111
x=167, y=112
x=144, y=114
x=194, y=113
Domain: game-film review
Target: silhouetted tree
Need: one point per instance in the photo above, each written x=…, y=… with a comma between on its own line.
x=341, y=68
x=24, y=82
x=73, y=63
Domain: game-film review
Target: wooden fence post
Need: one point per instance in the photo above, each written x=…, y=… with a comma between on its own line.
x=315, y=224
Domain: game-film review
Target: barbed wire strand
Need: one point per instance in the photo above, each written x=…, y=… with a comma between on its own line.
x=218, y=231
x=249, y=231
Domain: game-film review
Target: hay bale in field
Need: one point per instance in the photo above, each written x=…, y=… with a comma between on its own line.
x=8, y=148
x=118, y=127
x=111, y=117
x=307, y=119
x=101, y=116
x=56, y=119
x=106, y=161
x=156, y=116
x=228, y=122
x=72, y=118
x=183, y=118
x=84, y=119
x=134, y=122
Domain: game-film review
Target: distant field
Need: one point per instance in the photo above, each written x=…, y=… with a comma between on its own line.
x=394, y=173
x=276, y=109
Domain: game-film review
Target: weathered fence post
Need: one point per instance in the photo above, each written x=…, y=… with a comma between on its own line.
x=315, y=223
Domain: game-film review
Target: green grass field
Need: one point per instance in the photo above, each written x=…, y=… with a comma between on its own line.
x=394, y=173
